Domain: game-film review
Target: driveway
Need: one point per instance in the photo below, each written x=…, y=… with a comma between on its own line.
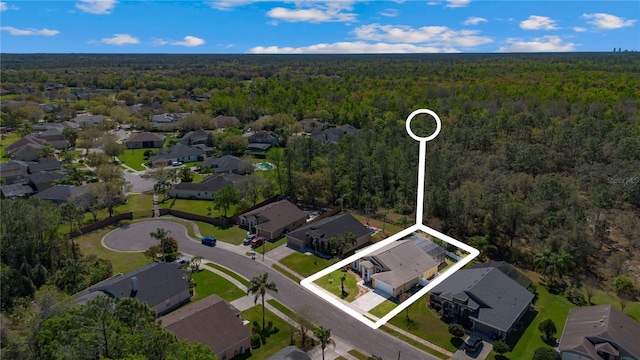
x=480, y=354
x=369, y=300
x=135, y=237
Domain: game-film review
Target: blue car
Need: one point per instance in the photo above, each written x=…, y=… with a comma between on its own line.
x=208, y=240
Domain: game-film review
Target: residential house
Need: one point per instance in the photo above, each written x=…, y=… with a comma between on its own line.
x=397, y=267
x=15, y=191
x=263, y=137
x=198, y=137
x=207, y=188
x=508, y=270
x=85, y=120
x=166, y=119
x=225, y=164
x=26, y=149
x=334, y=134
x=599, y=332
x=35, y=167
x=14, y=171
x=485, y=299
x=144, y=140
x=317, y=234
x=55, y=138
x=290, y=353
x=258, y=148
x=44, y=180
x=222, y=122
x=61, y=194
x=311, y=125
x=212, y=322
x=162, y=286
x=179, y=152
x=272, y=220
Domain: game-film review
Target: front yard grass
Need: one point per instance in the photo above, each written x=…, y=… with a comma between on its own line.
x=306, y=265
x=196, y=206
x=232, y=234
x=332, y=284
x=383, y=309
x=122, y=262
x=357, y=354
x=6, y=140
x=134, y=158
x=274, y=339
x=242, y=280
x=208, y=283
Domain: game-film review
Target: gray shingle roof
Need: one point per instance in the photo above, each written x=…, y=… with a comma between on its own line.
x=156, y=282
x=144, y=136
x=290, y=353
x=227, y=163
x=405, y=260
x=210, y=321
x=277, y=215
x=213, y=183
x=498, y=299
x=331, y=227
x=15, y=190
x=593, y=328
x=60, y=193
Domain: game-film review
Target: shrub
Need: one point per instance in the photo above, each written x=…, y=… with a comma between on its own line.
x=548, y=328
x=456, y=330
x=575, y=295
x=501, y=347
x=255, y=341
x=545, y=353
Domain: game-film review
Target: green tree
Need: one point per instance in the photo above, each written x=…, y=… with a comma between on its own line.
x=548, y=328
x=185, y=174
x=258, y=288
x=623, y=285
x=225, y=198
x=47, y=152
x=71, y=135
x=324, y=337
x=545, y=353
x=501, y=347
x=342, y=242
x=73, y=215
x=163, y=186
x=111, y=146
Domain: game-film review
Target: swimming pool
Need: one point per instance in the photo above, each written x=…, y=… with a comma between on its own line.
x=265, y=166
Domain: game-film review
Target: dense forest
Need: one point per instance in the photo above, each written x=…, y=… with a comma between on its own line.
x=537, y=163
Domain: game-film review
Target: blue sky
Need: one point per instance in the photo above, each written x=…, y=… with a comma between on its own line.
x=339, y=26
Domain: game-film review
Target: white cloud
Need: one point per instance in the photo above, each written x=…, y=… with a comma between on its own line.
x=159, y=42
x=427, y=35
x=389, y=12
x=229, y=4
x=474, y=20
x=29, y=31
x=96, y=6
x=457, y=3
x=358, y=47
x=579, y=29
x=315, y=12
x=607, y=21
x=121, y=39
x=433, y=3
x=550, y=43
x=189, y=41
x=3, y=6
x=535, y=22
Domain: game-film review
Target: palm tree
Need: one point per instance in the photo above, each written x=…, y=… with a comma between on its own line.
x=324, y=337
x=159, y=234
x=47, y=151
x=185, y=174
x=259, y=287
x=163, y=186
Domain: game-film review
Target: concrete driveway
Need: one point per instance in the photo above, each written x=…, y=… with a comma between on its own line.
x=480, y=354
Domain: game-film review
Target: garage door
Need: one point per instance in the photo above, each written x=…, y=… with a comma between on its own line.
x=382, y=287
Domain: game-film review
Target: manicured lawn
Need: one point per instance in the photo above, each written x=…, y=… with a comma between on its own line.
x=286, y=273
x=425, y=324
x=357, y=354
x=332, y=284
x=6, y=140
x=274, y=339
x=200, y=207
x=232, y=234
x=632, y=309
x=389, y=228
x=244, y=281
x=306, y=265
x=140, y=204
x=414, y=343
x=134, y=158
x=208, y=283
x=383, y=309
x=122, y=262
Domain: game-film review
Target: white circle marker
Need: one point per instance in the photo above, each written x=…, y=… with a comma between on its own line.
x=423, y=111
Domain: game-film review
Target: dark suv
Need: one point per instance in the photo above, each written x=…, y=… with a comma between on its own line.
x=472, y=344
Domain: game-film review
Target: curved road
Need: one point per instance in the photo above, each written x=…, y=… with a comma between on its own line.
x=297, y=298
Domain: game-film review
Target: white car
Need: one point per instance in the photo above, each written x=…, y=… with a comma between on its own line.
x=176, y=163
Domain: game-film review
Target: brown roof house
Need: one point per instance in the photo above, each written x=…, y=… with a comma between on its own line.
x=162, y=286
x=207, y=188
x=212, y=322
x=144, y=140
x=317, y=235
x=485, y=298
x=26, y=149
x=272, y=220
x=397, y=267
x=600, y=332
x=55, y=138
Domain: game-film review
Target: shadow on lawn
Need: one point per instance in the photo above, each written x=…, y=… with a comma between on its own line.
x=527, y=319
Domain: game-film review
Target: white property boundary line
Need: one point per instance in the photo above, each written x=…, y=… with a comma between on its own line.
x=473, y=252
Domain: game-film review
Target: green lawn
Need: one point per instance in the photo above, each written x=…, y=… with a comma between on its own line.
x=414, y=343
x=306, y=265
x=268, y=245
x=122, y=262
x=276, y=338
x=357, y=354
x=332, y=284
x=244, y=281
x=195, y=206
x=140, y=204
x=632, y=309
x=6, y=140
x=134, y=158
x=208, y=283
x=286, y=273
x=388, y=227
x=425, y=324
x=383, y=309
x=232, y=234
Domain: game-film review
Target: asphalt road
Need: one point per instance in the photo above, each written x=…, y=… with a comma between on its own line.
x=298, y=299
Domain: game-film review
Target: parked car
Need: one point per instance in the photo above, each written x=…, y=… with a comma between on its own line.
x=248, y=239
x=208, y=240
x=472, y=344
x=257, y=241
x=183, y=259
x=176, y=163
